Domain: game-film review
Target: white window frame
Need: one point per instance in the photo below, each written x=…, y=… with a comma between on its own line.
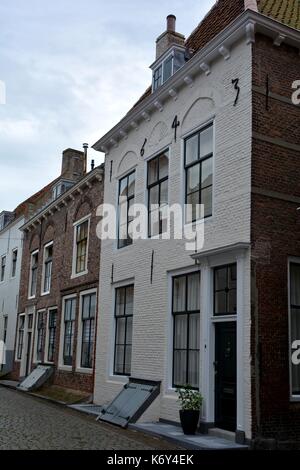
x=75, y=225
x=44, y=270
x=5, y=266
x=50, y=309
x=80, y=369
x=161, y=64
x=30, y=276
x=291, y=260
x=35, y=359
x=12, y=264
x=61, y=365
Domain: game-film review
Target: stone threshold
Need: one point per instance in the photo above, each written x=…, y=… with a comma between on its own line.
x=175, y=434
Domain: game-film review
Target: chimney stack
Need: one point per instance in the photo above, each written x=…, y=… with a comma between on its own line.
x=169, y=37
x=73, y=164
x=85, y=148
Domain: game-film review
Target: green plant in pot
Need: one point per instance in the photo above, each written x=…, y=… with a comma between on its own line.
x=190, y=404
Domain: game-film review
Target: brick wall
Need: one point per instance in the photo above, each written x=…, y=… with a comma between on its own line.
x=59, y=229
x=275, y=235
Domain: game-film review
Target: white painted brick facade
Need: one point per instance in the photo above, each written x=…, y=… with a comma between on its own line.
x=211, y=97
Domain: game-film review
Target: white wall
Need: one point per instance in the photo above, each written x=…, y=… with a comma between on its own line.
x=210, y=98
x=10, y=239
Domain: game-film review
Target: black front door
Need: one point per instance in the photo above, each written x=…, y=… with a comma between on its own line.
x=225, y=376
x=28, y=353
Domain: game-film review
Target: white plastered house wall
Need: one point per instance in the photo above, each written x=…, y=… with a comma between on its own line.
x=11, y=239
x=209, y=99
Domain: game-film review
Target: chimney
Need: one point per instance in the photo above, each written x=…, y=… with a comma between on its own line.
x=169, y=37
x=85, y=148
x=251, y=5
x=73, y=164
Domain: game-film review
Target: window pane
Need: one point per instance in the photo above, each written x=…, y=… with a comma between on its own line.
x=129, y=331
x=119, y=359
x=168, y=65
x=154, y=222
x=153, y=197
x=206, y=200
x=220, y=278
x=194, y=331
x=120, y=302
x=193, y=376
x=180, y=331
x=163, y=166
x=120, y=333
x=191, y=149
x=86, y=306
x=129, y=300
x=93, y=306
x=193, y=292
x=127, y=369
x=164, y=193
x=179, y=60
x=295, y=335
x=153, y=171
x=123, y=188
x=231, y=300
x=295, y=285
x=193, y=209
x=220, y=303
x=131, y=184
x=206, y=142
x=232, y=277
x=179, y=294
x=180, y=368
x=206, y=173
x=193, y=179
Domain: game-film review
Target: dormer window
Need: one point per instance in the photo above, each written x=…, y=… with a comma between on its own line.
x=60, y=188
x=172, y=61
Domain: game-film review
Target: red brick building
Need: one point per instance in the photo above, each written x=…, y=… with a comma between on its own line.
x=59, y=277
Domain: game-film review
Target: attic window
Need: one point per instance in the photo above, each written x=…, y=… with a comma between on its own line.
x=167, y=67
x=60, y=188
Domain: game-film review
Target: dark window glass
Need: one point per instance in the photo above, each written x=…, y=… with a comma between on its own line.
x=14, y=263
x=52, y=334
x=40, y=337
x=199, y=174
x=158, y=171
x=295, y=322
x=48, y=268
x=69, y=326
x=225, y=290
x=20, y=337
x=34, y=269
x=123, y=325
x=157, y=78
x=81, y=246
x=168, y=68
x=88, y=315
x=126, y=200
x=186, y=324
x=3, y=264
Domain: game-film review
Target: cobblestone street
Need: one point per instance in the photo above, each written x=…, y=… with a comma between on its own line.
x=27, y=422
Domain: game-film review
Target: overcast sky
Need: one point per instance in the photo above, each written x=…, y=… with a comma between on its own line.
x=72, y=69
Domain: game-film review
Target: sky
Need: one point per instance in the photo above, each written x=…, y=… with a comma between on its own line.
x=72, y=69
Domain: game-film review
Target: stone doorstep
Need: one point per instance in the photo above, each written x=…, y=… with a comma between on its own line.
x=9, y=384
x=197, y=442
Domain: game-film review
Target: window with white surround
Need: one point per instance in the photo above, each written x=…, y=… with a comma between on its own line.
x=186, y=332
x=157, y=185
x=20, y=340
x=295, y=327
x=2, y=268
x=123, y=330
x=80, y=251
x=125, y=202
x=87, y=330
x=47, y=268
x=51, y=334
x=198, y=163
x=68, y=328
x=33, y=274
x=225, y=290
x=167, y=66
x=5, y=326
x=14, y=261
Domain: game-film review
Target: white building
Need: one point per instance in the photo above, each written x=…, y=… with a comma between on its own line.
x=11, y=242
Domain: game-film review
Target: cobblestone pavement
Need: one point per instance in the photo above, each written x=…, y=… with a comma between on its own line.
x=27, y=422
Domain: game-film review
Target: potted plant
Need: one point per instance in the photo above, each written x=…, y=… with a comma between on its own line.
x=190, y=404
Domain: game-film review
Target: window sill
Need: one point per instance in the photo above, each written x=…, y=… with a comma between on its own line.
x=199, y=221
x=31, y=297
x=44, y=293
x=65, y=368
x=295, y=399
x=74, y=276
x=118, y=379
x=83, y=370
